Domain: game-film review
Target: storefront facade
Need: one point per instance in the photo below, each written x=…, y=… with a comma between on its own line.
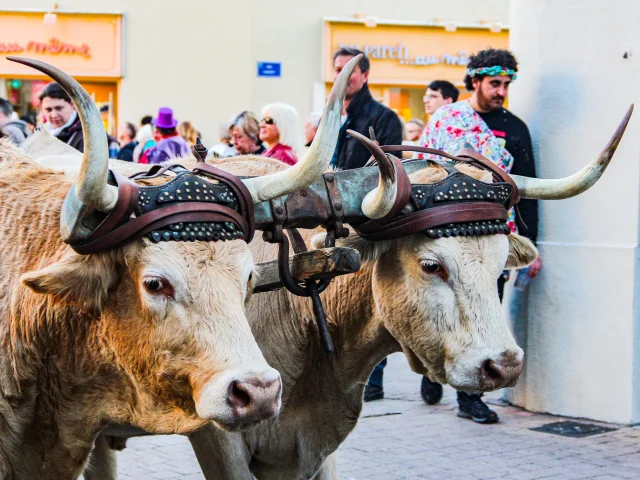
x=87, y=46
x=201, y=58
x=406, y=57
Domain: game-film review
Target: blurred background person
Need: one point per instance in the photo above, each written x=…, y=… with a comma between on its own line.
x=245, y=134
x=61, y=116
x=412, y=131
x=280, y=131
x=360, y=112
x=144, y=138
x=169, y=144
x=189, y=133
x=126, y=136
x=224, y=148
x=439, y=93
x=31, y=121
x=311, y=127
x=16, y=130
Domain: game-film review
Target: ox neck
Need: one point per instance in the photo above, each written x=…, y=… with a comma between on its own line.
x=285, y=329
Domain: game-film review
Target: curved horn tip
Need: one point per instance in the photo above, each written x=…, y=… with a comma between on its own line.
x=318, y=158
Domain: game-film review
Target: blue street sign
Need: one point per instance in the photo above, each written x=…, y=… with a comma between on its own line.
x=269, y=69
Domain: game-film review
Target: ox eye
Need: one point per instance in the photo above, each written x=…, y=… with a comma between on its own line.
x=431, y=267
x=158, y=286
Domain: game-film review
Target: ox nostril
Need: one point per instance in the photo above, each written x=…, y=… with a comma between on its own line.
x=238, y=396
x=493, y=370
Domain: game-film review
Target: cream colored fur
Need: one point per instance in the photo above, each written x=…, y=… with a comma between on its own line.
x=443, y=326
x=391, y=305
x=84, y=343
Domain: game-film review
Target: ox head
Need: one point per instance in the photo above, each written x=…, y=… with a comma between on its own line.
x=171, y=314
x=438, y=296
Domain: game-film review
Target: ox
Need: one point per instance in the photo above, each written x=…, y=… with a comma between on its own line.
x=148, y=334
x=434, y=299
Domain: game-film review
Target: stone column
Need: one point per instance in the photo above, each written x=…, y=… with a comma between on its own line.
x=579, y=71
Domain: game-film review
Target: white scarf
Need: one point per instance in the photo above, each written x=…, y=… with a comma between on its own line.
x=56, y=131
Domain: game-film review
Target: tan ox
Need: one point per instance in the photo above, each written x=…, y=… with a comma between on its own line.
x=148, y=334
x=434, y=299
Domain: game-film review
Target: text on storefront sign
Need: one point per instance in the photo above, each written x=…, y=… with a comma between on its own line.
x=54, y=47
x=401, y=54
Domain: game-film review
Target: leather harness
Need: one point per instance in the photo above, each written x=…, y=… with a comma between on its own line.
x=458, y=205
x=186, y=208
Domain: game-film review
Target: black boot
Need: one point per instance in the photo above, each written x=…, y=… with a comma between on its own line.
x=471, y=406
x=431, y=391
x=373, y=392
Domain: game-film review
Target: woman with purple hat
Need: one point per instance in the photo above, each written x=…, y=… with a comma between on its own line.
x=168, y=143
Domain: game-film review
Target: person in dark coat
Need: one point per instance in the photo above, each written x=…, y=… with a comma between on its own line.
x=126, y=136
x=16, y=130
x=62, y=119
x=361, y=112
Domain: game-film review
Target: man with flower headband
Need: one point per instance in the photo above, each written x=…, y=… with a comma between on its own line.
x=483, y=123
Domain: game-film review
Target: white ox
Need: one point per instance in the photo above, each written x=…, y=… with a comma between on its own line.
x=434, y=299
x=148, y=334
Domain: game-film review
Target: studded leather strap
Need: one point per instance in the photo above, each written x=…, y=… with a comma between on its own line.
x=119, y=226
x=436, y=217
x=464, y=211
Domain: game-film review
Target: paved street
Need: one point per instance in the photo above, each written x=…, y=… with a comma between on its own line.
x=402, y=438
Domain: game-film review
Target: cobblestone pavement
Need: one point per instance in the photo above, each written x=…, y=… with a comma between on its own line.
x=402, y=438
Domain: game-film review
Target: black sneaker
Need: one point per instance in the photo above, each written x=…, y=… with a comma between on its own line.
x=372, y=392
x=471, y=406
x=431, y=391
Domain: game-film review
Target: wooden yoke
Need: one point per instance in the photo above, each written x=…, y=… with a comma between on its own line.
x=318, y=264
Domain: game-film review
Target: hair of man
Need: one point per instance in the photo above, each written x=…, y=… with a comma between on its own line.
x=131, y=129
x=352, y=52
x=5, y=107
x=489, y=58
x=446, y=89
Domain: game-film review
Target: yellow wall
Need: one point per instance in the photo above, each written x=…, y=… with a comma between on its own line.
x=411, y=55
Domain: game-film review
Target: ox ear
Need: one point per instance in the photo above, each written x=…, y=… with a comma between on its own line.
x=369, y=251
x=522, y=252
x=75, y=279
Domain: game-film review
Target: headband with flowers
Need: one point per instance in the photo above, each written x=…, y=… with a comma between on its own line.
x=494, y=71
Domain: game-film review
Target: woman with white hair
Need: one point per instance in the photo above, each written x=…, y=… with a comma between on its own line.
x=280, y=131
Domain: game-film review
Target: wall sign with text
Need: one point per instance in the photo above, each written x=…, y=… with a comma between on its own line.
x=410, y=54
x=85, y=45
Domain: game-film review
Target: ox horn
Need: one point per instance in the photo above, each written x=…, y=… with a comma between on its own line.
x=379, y=201
x=317, y=159
x=557, y=189
x=91, y=191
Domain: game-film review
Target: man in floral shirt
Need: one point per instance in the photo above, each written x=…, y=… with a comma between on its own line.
x=499, y=135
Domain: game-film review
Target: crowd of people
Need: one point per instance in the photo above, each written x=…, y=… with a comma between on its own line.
x=480, y=122
x=275, y=134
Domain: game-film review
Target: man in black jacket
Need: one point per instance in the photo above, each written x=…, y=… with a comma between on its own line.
x=360, y=112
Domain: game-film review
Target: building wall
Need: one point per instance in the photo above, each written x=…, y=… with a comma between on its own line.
x=201, y=58
x=573, y=87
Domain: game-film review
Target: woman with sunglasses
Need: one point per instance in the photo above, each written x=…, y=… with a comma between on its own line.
x=280, y=131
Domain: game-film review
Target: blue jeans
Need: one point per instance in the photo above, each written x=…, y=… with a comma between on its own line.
x=376, y=376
